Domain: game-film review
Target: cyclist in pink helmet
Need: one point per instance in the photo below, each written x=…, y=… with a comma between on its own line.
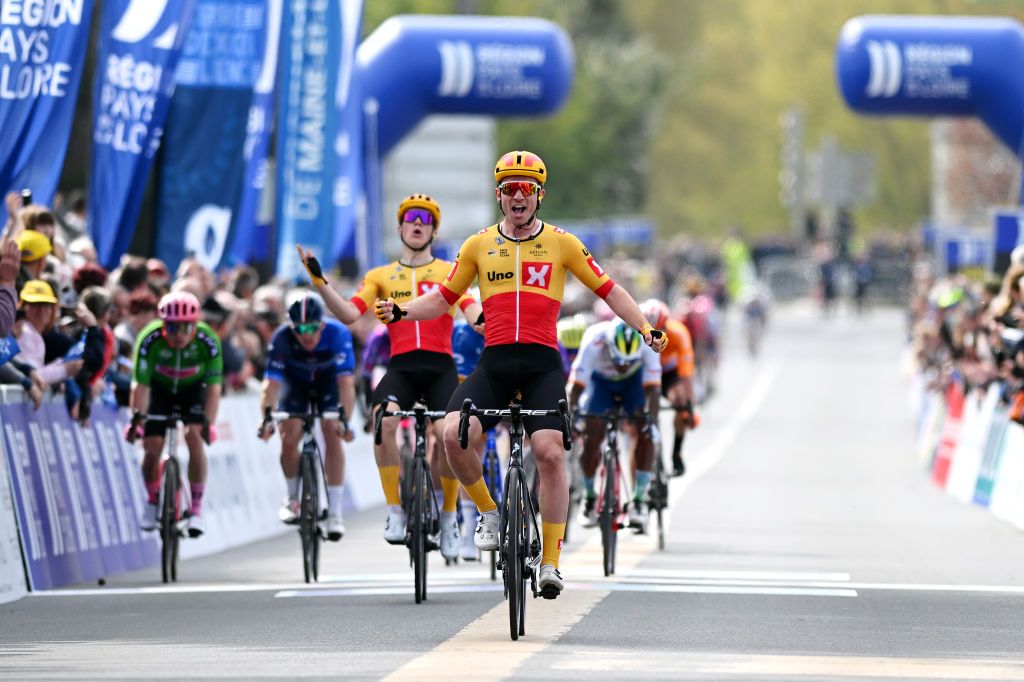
x=178, y=368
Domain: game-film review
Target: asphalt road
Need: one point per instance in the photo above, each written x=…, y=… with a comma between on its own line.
x=805, y=543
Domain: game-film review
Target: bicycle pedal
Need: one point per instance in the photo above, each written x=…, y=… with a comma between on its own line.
x=549, y=592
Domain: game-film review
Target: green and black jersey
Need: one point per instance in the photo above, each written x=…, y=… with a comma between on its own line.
x=200, y=361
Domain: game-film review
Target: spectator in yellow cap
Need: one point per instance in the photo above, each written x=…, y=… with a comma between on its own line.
x=40, y=306
x=35, y=247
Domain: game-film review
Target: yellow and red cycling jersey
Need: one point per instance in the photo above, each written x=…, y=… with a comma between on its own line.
x=522, y=281
x=679, y=353
x=404, y=283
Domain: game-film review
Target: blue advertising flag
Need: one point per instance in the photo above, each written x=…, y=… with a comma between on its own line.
x=202, y=164
x=42, y=55
x=349, y=203
x=250, y=231
x=140, y=41
x=310, y=56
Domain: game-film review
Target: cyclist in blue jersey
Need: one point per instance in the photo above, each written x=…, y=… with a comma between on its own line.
x=312, y=359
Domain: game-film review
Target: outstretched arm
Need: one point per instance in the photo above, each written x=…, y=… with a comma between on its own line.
x=623, y=305
x=425, y=307
x=346, y=311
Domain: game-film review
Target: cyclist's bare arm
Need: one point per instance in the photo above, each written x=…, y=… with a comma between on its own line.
x=623, y=305
x=575, y=391
x=139, y=398
x=343, y=309
x=472, y=313
x=212, y=402
x=269, y=391
x=425, y=307
x=653, y=394
x=347, y=391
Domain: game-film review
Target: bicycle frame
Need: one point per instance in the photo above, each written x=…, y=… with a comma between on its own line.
x=174, y=497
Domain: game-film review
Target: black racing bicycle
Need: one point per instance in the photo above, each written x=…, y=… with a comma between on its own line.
x=420, y=505
x=312, y=511
x=174, y=499
x=518, y=533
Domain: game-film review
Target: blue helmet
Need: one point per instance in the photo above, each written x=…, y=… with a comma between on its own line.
x=306, y=308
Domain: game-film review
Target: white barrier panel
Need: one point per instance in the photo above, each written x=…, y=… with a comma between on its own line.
x=1009, y=484
x=245, y=486
x=963, y=472
x=12, y=572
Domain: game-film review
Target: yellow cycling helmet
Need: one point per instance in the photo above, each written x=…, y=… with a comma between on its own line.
x=522, y=163
x=421, y=201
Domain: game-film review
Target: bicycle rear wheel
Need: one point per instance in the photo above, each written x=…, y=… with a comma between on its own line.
x=169, y=522
x=420, y=528
x=308, y=513
x=513, y=550
x=609, y=514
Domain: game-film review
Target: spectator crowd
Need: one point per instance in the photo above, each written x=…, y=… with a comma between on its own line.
x=971, y=331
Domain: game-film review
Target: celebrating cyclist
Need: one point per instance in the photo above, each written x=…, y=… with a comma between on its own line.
x=521, y=264
x=178, y=369
x=313, y=360
x=676, y=376
x=614, y=365
x=421, y=365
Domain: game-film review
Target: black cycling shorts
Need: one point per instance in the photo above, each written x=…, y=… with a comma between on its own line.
x=418, y=375
x=532, y=368
x=297, y=396
x=669, y=378
x=191, y=404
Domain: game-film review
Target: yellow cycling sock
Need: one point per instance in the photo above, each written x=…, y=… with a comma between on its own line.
x=389, y=481
x=553, y=534
x=481, y=496
x=450, y=488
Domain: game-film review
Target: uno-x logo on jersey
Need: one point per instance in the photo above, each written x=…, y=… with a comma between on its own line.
x=140, y=19
x=426, y=287
x=536, y=274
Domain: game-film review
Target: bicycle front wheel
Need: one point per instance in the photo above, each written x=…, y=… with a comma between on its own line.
x=169, y=522
x=513, y=551
x=420, y=528
x=609, y=516
x=308, y=518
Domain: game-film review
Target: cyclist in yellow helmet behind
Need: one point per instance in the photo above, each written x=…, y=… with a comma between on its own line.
x=521, y=263
x=422, y=367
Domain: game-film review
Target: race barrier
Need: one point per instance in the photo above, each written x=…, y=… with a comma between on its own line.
x=74, y=495
x=971, y=448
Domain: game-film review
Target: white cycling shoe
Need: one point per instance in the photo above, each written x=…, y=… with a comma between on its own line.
x=394, y=527
x=335, y=527
x=149, y=521
x=550, y=582
x=450, y=536
x=196, y=525
x=638, y=515
x=289, y=511
x=469, y=552
x=486, y=535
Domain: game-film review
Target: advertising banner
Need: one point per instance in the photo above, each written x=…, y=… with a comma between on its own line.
x=250, y=231
x=140, y=41
x=202, y=165
x=306, y=123
x=991, y=455
x=42, y=55
x=12, y=574
x=70, y=485
x=969, y=452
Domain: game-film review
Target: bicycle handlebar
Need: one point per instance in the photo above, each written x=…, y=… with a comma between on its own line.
x=418, y=413
x=515, y=413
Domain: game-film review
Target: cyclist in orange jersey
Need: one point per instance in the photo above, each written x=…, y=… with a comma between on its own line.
x=422, y=366
x=677, y=365
x=521, y=264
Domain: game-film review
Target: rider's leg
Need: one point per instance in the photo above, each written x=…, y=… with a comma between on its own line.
x=291, y=431
x=449, y=483
x=386, y=455
x=196, y=466
x=677, y=396
x=464, y=462
x=554, y=491
x=335, y=464
x=593, y=436
x=643, y=458
x=152, y=446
